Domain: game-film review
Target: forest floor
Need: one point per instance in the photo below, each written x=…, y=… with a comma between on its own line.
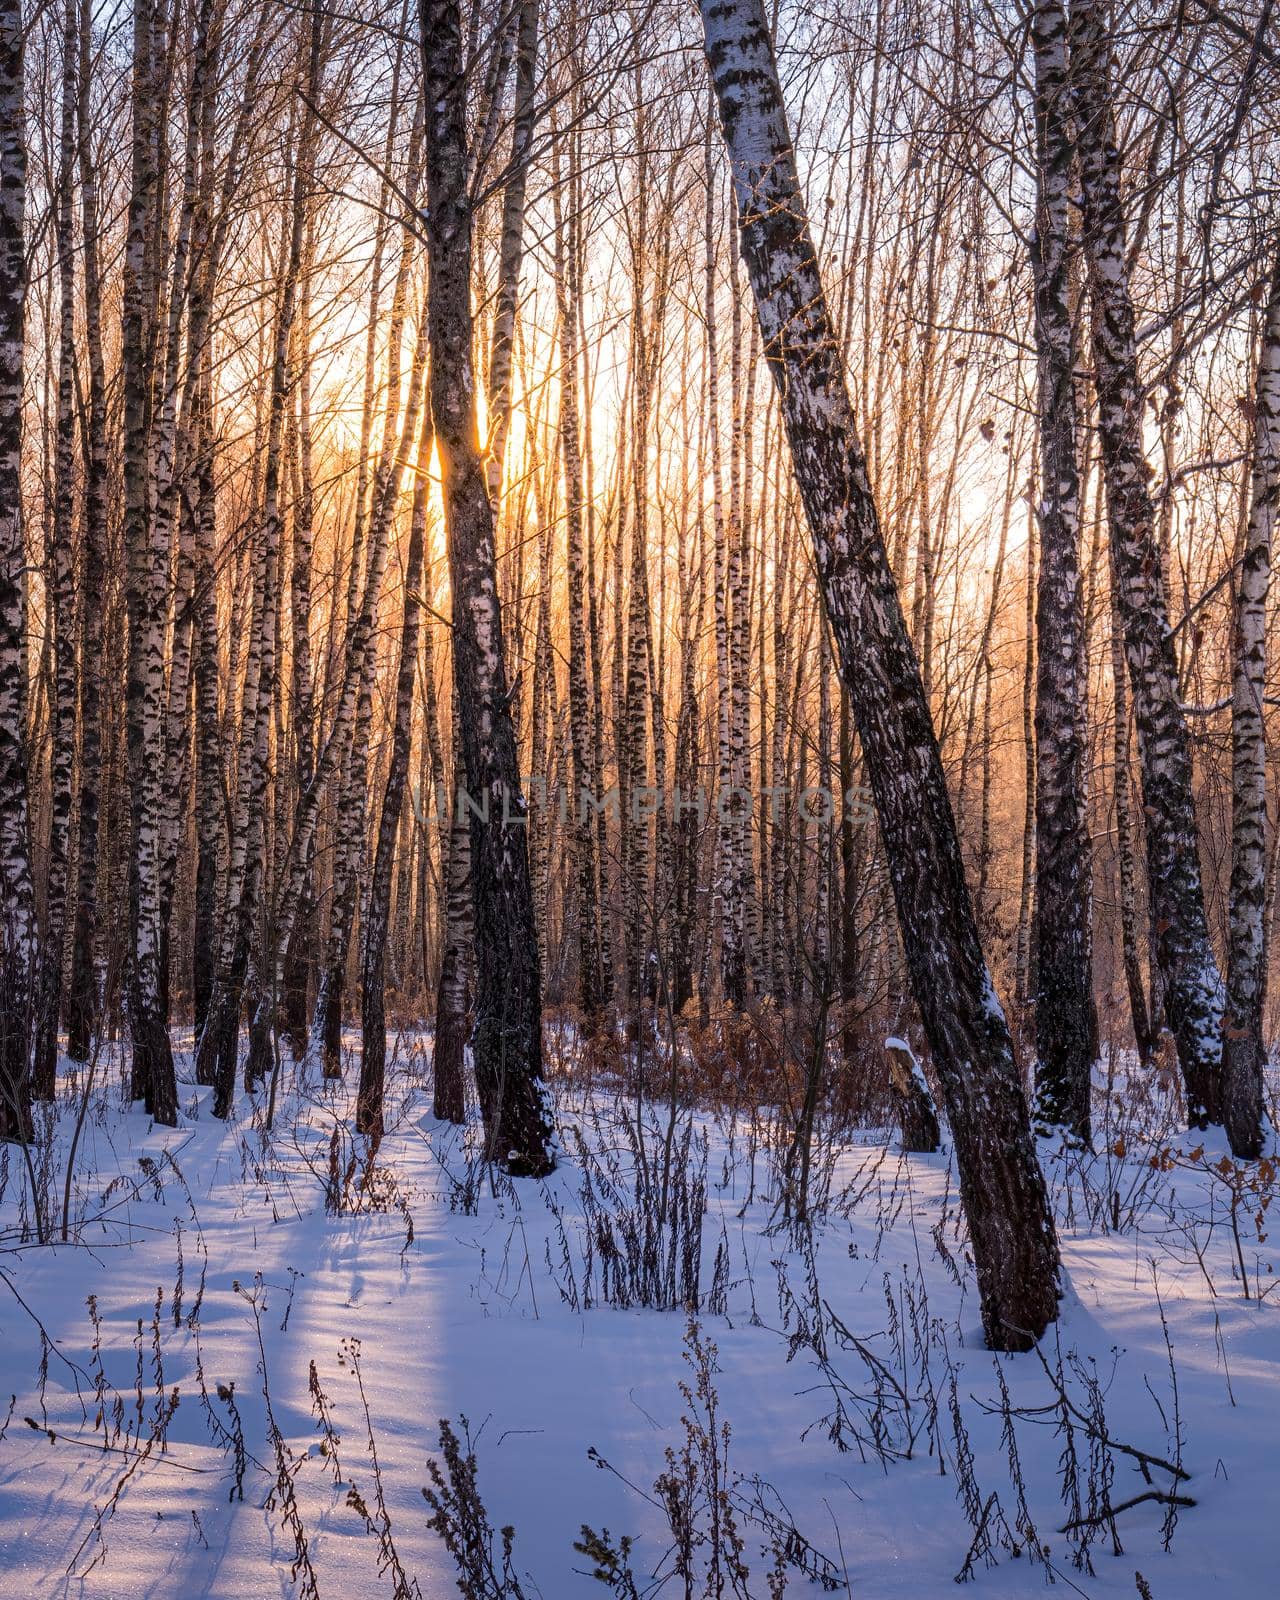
x=225, y=1290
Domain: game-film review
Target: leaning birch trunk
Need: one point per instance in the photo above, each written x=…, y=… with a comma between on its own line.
x=1185, y=957
x=62, y=595
x=1010, y=1224
x=1065, y=1022
x=147, y=576
x=1242, y=1047
x=373, y=1057
x=17, y=914
x=507, y=1043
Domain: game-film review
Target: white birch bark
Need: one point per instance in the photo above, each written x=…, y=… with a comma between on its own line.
x=1065, y=1024
x=1243, y=1052
x=17, y=920
x=146, y=586
x=61, y=585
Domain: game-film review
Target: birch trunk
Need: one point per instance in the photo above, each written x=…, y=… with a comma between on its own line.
x=1065, y=1022
x=452, y=1008
x=211, y=748
x=373, y=1012
x=302, y=699
x=82, y=988
x=1121, y=789
x=1193, y=995
x=1010, y=1224
x=1243, y=1052
x=591, y=977
x=732, y=965
x=297, y=857
x=511, y=245
x=17, y=920
x=217, y=1052
x=350, y=844
x=193, y=279
x=146, y=584
x=507, y=1043
x=209, y=752
x=62, y=586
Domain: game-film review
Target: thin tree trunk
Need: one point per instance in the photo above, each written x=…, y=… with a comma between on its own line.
x=1010, y=1224
x=591, y=977
x=1139, y=1016
x=209, y=752
x=210, y=745
x=373, y=1012
x=725, y=911
x=297, y=963
x=302, y=696
x=511, y=244
x=350, y=843
x=1024, y=950
x=217, y=1052
x=452, y=1010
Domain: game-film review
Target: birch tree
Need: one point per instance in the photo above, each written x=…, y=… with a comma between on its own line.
x=82, y=998
x=17, y=921
x=147, y=581
x=507, y=1041
x=1065, y=1025
x=60, y=580
x=1188, y=967
x=592, y=974
x=373, y=1011
x=1015, y=1249
x=1243, y=1049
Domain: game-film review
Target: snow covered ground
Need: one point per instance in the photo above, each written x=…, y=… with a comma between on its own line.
x=216, y=1277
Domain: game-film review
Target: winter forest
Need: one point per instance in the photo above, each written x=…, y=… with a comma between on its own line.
x=639, y=798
